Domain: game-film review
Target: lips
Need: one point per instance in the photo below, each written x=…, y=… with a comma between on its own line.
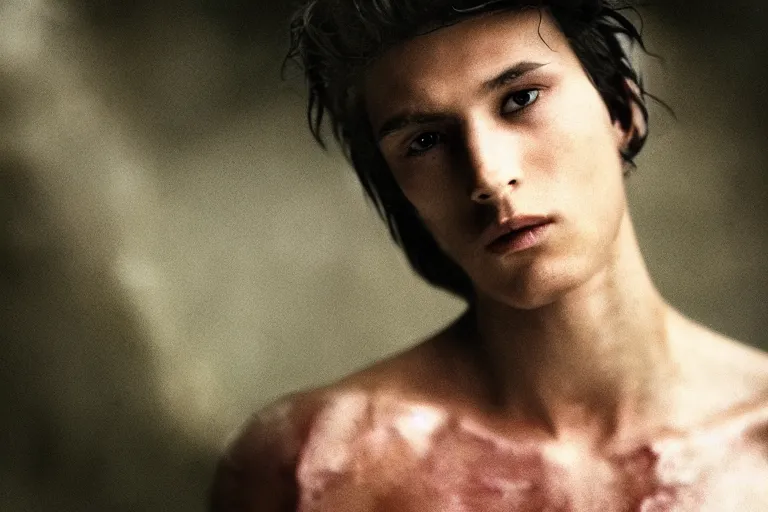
x=517, y=234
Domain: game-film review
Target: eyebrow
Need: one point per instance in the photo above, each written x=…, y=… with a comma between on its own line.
x=503, y=79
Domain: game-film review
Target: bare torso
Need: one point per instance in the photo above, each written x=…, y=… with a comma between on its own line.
x=394, y=456
x=404, y=437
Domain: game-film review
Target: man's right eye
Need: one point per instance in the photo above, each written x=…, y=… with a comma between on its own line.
x=423, y=143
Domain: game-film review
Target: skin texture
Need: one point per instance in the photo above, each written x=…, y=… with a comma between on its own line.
x=570, y=385
x=560, y=149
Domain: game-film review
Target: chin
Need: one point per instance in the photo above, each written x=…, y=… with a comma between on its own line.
x=532, y=287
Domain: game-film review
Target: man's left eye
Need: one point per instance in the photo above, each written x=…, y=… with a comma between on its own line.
x=519, y=100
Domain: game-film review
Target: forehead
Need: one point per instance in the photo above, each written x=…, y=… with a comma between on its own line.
x=436, y=66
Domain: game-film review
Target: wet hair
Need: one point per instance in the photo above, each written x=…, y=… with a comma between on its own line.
x=334, y=41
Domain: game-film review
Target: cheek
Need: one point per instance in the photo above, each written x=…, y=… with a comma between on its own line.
x=430, y=189
x=584, y=143
x=440, y=206
x=586, y=183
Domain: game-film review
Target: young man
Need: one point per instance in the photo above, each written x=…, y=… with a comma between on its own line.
x=495, y=137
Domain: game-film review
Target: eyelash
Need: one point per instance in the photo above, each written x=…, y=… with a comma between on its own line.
x=411, y=153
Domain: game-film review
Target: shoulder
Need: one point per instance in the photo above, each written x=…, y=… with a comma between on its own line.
x=717, y=357
x=256, y=471
x=291, y=447
x=719, y=375
x=435, y=369
x=287, y=447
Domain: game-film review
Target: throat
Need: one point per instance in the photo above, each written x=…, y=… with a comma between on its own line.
x=593, y=364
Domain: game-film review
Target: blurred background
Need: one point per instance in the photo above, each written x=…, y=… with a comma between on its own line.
x=175, y=251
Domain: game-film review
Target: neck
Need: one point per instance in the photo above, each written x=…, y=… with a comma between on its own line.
x=588, y=364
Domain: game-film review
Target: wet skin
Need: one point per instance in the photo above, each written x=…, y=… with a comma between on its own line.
x=570, y=385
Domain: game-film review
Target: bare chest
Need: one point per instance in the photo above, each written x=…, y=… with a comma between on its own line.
x=427, y=466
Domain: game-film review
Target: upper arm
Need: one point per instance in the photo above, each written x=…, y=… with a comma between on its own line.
x=257, y=472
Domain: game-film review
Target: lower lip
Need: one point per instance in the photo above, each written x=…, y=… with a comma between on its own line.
x=519, y=241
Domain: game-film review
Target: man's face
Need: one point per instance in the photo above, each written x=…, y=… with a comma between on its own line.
x=492, y=125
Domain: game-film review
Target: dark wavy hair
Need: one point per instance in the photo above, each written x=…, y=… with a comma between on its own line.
x=334, y=41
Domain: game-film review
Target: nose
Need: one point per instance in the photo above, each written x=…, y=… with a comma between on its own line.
x=493, y=155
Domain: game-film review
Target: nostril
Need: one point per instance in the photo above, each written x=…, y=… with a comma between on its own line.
x=491, y=190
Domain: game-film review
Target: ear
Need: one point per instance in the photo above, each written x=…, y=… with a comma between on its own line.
x=639, y=127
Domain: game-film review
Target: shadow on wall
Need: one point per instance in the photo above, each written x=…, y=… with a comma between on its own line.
x=701, y=191
x=88, y=426
x=730, y=43
x=85, y=428
x=181, y=69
